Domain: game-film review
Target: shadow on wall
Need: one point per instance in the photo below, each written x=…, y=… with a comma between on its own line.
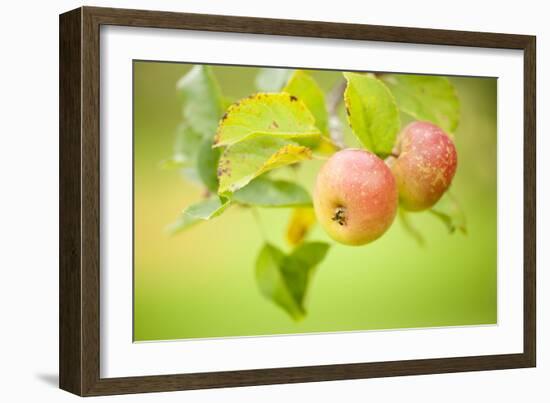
x=49, y=379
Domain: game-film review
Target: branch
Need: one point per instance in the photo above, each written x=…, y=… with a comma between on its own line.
x=334, y=99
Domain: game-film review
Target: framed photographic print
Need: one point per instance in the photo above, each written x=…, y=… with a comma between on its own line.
x=249, y=201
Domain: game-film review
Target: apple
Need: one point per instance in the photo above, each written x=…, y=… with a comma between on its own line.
x=355, y=197
x=425, y=165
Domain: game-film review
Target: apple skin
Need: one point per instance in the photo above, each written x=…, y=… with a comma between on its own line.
x=355, y=197
x=425, y=166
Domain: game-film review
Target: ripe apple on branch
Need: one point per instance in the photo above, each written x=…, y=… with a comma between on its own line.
x=232, y=148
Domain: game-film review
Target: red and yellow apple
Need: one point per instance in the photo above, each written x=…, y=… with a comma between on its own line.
x=355, y=197
x=425, y=165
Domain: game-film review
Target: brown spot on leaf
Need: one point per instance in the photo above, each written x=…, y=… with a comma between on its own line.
x=223, y=169
x=293, y=98
x=274, y=125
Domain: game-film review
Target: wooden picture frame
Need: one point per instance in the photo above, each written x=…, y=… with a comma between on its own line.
x=79, y=346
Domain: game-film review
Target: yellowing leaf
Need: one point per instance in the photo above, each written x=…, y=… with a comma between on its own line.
x=326, y=147
x=301, y=222
x=278, y=115
x=242, y=162
x=372, y=112
x=305, y=88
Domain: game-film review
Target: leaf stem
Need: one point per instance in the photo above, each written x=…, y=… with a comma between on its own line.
x=259, y=224
x=410, y=228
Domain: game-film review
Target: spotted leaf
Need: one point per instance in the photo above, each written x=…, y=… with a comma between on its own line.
x=278, y=115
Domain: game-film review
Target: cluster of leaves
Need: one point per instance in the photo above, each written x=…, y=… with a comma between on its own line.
x=231, y=148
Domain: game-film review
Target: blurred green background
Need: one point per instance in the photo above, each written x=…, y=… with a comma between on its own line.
x=201, y=282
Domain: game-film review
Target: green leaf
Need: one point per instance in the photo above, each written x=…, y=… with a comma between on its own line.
x=278, y=115
x=241, y=163
x=175, y=162
x=431, y=98
x=372, y=112
x=305, y=88
x=201, y=211
x=409, y=227
x=272, y=283
x=298, y=267
x=272, y=80
x=202, y=109
x=449, y=211
x=202, y=100
x=301, y=222
x=186, y=146
x=207, y=165
x=265, y=192
x=284, y=279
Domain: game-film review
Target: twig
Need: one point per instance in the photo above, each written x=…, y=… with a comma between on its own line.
x=334, y=99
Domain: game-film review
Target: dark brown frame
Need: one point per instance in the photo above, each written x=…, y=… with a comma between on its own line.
x=79, y=201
